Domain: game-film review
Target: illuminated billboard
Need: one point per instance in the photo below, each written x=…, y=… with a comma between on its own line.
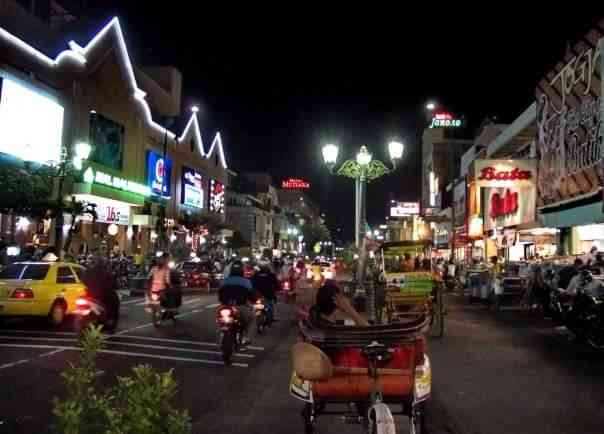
x=159, y=174
x=295, y=184
x=192, y=188
x=216, y=196
x=404, y=209
x=31, y=123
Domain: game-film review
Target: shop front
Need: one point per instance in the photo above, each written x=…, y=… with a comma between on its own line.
x=116, y=201
x=569, y=148
x=505, y=197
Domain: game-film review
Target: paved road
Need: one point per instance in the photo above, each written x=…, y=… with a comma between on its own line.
x=505, y=374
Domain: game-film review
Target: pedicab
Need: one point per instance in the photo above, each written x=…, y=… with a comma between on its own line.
x=407, y=292
x=365, y=374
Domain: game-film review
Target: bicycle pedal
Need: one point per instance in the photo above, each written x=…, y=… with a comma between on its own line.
x=352, y=419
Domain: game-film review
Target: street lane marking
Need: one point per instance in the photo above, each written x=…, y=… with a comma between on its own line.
x=50, y=353
x=180, y=341
x=13, y=364
x=38, y=331
x=126, y=353
x=212, y=306
x=127, y=344
x=137, y=300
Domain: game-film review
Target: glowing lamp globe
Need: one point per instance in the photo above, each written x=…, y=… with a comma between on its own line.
x=82, y=150
x=395, y=149
x=364, y=157
x=330, y=154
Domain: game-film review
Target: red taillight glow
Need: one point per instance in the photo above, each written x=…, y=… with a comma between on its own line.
x=225, y=313
x=22, y=293
x=81, y=302
x=286, y=285
x=154, y=297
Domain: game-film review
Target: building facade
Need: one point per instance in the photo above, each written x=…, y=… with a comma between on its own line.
x=141, y=177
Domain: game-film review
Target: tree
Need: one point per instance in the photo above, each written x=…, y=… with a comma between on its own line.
x=76, y=209
x=314, y=232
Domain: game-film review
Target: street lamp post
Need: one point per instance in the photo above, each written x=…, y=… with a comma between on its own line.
x=363, y=169
x=80, y=152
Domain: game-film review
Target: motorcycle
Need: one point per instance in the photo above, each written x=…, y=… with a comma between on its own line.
x=91, y=311
x=230, y=333
x=583, y=316
x=159, y=309
x=262, y=315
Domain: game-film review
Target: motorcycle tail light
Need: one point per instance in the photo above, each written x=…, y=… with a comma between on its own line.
x=155, y=297
x=285, y=285
x=259, y=305
x=225, y=315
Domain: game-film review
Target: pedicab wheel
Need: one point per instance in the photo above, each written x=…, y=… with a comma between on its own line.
x=309, y=418
x=417, y=420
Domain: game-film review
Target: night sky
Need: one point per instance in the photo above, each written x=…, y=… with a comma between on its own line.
x=278, y=84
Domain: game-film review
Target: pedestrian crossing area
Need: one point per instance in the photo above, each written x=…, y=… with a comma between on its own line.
x=130, y=345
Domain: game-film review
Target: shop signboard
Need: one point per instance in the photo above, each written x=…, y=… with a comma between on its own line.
x=31, y=122
x=216, y=196
x=192, y=192
x=445, y=120
x=505, y=173
x=459, y=203
x=112, y=212
x=508, y=206
x=295, y=184
x=97, y=177
x=159, y=174
x=569, y=142
x=404, y=209
x=107, y=140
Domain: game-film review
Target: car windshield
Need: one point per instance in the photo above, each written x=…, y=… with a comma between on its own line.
x=25, y=271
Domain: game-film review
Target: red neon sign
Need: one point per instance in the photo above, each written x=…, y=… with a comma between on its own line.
x=295, y=184
x=504, y=205
x=490, y=174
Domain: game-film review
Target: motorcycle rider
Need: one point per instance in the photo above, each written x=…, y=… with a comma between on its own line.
x=101, y=285
x=566, y=274
x=161, y=282
x=237, y=290
x=267, y=284
x=584, y=279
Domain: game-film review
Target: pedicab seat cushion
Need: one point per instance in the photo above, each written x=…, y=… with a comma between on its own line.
x=351, y=376
x=310, y=363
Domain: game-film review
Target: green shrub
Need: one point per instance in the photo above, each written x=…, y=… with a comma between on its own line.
x=137, y=404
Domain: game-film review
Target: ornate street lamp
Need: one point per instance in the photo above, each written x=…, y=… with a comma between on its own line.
x=363, y=169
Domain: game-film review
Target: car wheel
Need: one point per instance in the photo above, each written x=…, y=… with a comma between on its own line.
x=57, y=313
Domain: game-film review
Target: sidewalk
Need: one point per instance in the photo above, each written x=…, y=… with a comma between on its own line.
x=511, y=372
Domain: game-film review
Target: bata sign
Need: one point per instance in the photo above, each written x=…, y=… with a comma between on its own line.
x=505, y=173
x=509, y=206
x=295, y=184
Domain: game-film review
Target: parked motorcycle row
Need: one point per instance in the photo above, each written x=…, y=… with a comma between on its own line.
x=572, y=296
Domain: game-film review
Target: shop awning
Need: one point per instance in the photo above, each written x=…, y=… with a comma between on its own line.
x=581, y=215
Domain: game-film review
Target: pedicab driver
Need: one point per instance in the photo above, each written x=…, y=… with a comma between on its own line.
x=330, y=300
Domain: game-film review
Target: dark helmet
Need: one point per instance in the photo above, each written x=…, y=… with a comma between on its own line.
x=237, y=268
